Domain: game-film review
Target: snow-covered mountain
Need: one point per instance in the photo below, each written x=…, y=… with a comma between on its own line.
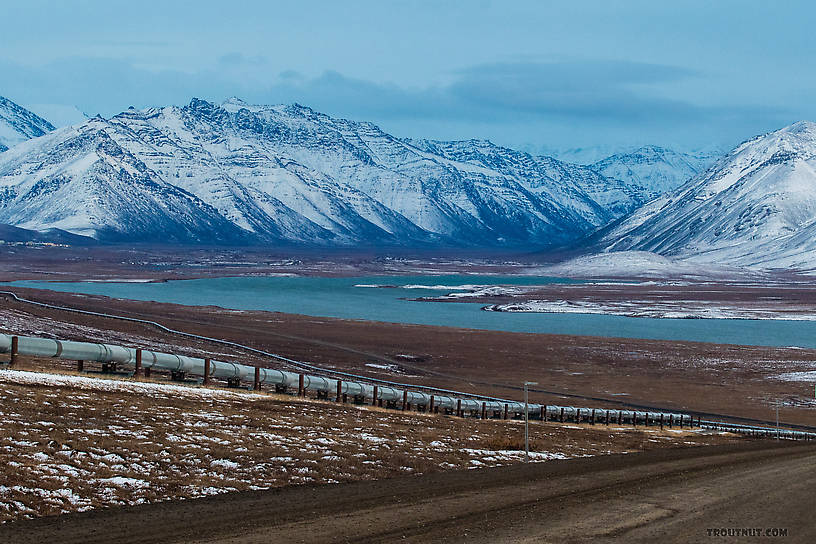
x=755, y=207
x=655, y=169
x=290, y=174
x=80, y=180
x=585, y=155
x=17, y=124
x=542, y=174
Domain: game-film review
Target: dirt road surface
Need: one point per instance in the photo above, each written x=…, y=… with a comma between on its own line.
x=670, y=496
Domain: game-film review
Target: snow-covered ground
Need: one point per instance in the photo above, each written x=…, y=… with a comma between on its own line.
x=638, y=264
x=676, y=309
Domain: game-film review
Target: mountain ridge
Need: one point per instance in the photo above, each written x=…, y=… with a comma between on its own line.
x=755, y=207
x=18, y=124
x=291, y=174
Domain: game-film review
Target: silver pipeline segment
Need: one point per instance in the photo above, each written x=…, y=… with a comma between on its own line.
x=292, y=362
x=108, y=353
x=757, y=431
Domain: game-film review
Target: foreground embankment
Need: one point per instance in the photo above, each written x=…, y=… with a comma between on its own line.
x=73, y=442
x=675, y=496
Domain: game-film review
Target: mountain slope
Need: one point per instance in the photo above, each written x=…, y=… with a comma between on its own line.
x=290, y=174
x=17, y=124
x=560, y=181
x=755, y=207
x=80, y=180
x=655, y=169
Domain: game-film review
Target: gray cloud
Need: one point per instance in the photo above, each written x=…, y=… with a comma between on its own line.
x=510, y=102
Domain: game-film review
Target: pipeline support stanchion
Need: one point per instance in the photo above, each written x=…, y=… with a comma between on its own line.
x=207, y=363
x=404, y=399
x=375, y=395
x=339, y=391
x=257, y=384
x=15, y=350
x=484, y=410
x=138, y=369
x=80, y=365
x=459, y=408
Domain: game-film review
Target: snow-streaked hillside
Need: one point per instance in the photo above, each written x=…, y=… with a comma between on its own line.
x=17, y=124
x=81, y=180
x=543, y=175
x=290, y=174
x=755, y=207
x=655, y=169
x=635, y=264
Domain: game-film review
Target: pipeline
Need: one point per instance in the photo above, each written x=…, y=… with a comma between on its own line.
x=761, y=432
x=286, y=360
x=361, y=391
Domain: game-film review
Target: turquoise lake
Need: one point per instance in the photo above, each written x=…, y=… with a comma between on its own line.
x=343, y=298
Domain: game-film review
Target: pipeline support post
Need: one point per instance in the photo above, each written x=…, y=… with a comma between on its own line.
x=375, y=395
x=404, y=399
x=15, y=350
x=301, y=388
x=138, y=368
x=80, y=365
x=431, y=405
x=459, y=408
x=339, y=391
x=207, y=363
x=484, y=409
x=506, y=409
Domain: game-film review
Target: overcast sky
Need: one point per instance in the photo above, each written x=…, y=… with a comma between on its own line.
x=526, y=74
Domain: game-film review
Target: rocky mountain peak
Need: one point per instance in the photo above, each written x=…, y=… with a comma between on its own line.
x=17, y=124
